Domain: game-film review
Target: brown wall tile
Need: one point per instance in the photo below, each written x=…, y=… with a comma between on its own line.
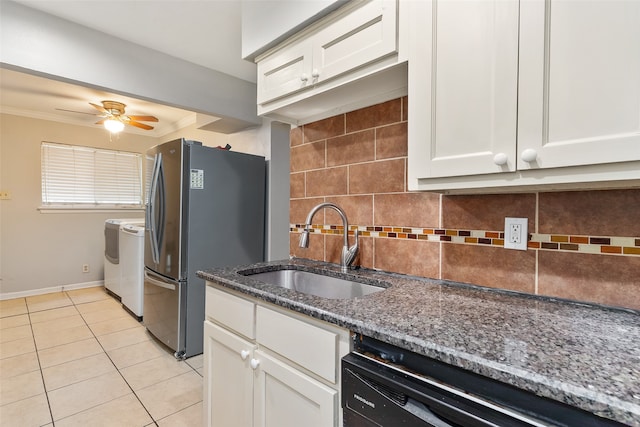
x=314, y=251
x=296, y=185
x=299, y=209
x=334, y=245
x=611, y=280
x=359, y=210
x=489, y=266
x=487, y=212
x=323, y=129
x=351, y=148
x=407, y=209
x=376, y=115
x=405, y=108
x=295, y=136
x=391, y=141
x=327, y=182
x=418, y=258
x=308, y=156
x=386, y=176
x=601, y=213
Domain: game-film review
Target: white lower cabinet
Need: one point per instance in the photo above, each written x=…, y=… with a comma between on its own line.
x=285, y=397
x=229, y=399
x=265, y=366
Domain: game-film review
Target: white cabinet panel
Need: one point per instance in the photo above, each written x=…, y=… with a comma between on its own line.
x=354, y=43
x=228, y=385
x=236, y=313
x=303, y=343
x=574, y=120
x=308, y=402
x=359, y=38
x=286, y=72
x=463, y=88
x=579, y=82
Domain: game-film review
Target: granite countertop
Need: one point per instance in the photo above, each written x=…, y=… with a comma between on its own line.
x=583, y=355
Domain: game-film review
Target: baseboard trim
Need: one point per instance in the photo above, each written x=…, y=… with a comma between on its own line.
x=34, y=292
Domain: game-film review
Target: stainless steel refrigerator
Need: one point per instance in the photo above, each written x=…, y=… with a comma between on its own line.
x=205, y=209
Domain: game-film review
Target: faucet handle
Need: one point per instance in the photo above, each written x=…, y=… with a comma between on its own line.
x=351, y=253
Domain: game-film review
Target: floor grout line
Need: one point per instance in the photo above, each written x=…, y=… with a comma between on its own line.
x=76, y=306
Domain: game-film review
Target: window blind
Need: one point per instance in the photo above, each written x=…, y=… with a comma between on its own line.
x=85, y=176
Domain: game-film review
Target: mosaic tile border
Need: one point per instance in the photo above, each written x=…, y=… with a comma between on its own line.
x=624, y=246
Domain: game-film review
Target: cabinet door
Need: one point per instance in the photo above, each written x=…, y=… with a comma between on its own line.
x=579, y=100
x=463, y=81
x=285, y=72
x=228, y=378
x=285, y=397
x=356, y=39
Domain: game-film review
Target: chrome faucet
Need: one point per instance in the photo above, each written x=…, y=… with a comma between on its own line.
x=349, y=254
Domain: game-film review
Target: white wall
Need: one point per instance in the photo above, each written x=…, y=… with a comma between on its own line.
x=39, y=43
x=46, y=250
x=267, y=22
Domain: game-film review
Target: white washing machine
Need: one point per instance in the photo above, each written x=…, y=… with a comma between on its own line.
x=112, y=268
x=132, y=268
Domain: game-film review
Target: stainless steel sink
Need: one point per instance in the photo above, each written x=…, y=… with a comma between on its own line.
x=316, y=284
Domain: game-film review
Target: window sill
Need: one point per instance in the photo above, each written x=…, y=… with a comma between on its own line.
x=87, y=209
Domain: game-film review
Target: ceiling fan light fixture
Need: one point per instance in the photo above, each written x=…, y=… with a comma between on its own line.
x=113, y=125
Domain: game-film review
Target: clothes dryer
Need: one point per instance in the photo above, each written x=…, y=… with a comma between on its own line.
x=112, y=270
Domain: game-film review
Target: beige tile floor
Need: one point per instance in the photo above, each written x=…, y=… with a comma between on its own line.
x=77, y=358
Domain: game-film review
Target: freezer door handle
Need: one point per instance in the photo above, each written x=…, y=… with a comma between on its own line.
x=151, y=211
x=161, y=283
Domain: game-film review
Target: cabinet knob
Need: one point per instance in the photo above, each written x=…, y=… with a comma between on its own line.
x=315, y=73
x=529, y=155
x=304, y=77
x=500, y=159
x=244, y=354
x=254, y=363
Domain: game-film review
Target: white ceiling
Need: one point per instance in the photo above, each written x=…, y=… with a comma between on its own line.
x=204, y=32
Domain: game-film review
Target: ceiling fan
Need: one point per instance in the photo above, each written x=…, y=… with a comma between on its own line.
x=114, y=117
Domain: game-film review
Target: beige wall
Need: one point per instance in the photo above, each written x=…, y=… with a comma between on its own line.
x=44, y=250
x=584, y=245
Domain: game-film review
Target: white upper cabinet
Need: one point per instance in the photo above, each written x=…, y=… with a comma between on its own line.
x=464, y=87
x=506, y=94
x=356, y=41
x=579, y=83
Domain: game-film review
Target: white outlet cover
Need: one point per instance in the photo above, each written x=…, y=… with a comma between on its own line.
x=524, y=232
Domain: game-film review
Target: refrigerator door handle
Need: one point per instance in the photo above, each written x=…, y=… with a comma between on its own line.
x=161, y=283
x=151, y=212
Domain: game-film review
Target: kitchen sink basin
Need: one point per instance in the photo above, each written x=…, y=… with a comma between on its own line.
x=316, y=284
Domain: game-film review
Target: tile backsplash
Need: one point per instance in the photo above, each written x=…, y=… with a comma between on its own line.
x=583, y=245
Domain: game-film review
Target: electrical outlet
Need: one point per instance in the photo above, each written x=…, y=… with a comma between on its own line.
x=516, y=234
x=85, y=268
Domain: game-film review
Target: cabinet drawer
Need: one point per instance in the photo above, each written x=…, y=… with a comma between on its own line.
x=231, y=311
x=285, y=72
x=309, y=346
x=363, y=36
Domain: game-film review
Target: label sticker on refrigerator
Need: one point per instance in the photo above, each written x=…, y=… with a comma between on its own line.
x=197, y=179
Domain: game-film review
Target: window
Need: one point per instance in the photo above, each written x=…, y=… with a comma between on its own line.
x=85, y=177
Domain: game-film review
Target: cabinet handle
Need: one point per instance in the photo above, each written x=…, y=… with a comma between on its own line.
x=244, y=354
x=254, y=363
x=529, y=155
x=315, y=73
x=304, y=77
x=500, y=159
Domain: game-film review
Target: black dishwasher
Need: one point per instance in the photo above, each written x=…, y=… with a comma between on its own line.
x=385, y=386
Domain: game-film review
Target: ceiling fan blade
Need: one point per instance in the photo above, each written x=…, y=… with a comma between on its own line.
x=100, y=122
x=144, y=118
x=79, y=112
x=139, y=125
x=99, y=108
